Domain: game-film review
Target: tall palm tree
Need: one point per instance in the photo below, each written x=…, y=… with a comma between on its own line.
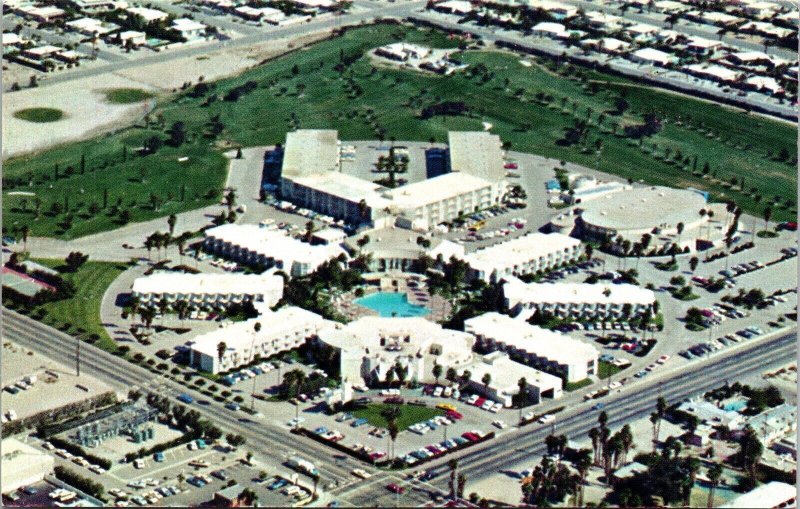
x=453, y=464
x=487, y=379
x=594, y=435
x=693, y=465
x=437, y=372
x=583, y=463
x=222, y=347
x=394, y=431
x=714, y=475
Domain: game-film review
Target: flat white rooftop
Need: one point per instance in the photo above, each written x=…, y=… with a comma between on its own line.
x=275, y=244
x=346, y=187
x=310, y=151
x=238, y=336
x=435, y=190
x=506, y=373
x=577, y=293
x=520, y=250
x=476, y=153
x=223, y=284
x=553, y=346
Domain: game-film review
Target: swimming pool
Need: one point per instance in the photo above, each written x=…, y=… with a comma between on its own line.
x=390, y=304
x=735, y=406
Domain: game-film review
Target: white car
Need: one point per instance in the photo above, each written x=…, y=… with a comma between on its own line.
x=437, y=392
x=528, y=416
x=499, y=424
x=363, y=474
x=497, y=407
x=488, y=405
x=547, y=418
x=472, y=399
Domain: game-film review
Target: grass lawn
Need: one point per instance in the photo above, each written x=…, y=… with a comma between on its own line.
x=409, y=414
x=336, y=85
x=606, y=369
x=127, y=95
x=39, y=115
x=574, y=386
x=82, y=312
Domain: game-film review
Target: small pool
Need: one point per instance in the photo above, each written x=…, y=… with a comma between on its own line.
x=735, y=406
x=390, y=304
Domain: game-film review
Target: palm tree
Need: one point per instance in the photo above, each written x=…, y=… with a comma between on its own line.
x=171, y=221
x=451, y=374
x=222, y=347
x=693, y=465
x=594, y=435
x=25, y=231
x=654, y=421
x=394, y=430
x=714, y=475
x=583, y=463
x=453, y=464
x=626, y=440
x=767, y=216
x=679, y=229
x=437, y=372
x=389, y=376
x=487, y=379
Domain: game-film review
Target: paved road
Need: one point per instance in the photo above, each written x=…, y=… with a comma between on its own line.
x=513, y=448
x=268, y=442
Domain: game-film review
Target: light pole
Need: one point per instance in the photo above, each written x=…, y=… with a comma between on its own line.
x=78, y=355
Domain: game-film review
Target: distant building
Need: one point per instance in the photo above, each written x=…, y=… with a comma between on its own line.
x=44, y=14
x=188, y=28
x=23, y=465
x=312, y=178
x=708, y=413
x=523, y=255
x=653, y=57
x=263, y=247
x=542, y=349
x=402, y=51
x=148, y=15
x=370, y=346
x=772, y=495
x=91, y=26
x=460, y=7
x=132, y=37
x=280, y=331
x=505, y=374
x=774, y=423
x=579, y=301
x=208, y=291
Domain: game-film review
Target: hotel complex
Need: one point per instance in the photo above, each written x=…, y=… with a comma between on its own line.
x=549, y=351
x=208, y=291
x=578, y=300
x=312, y=177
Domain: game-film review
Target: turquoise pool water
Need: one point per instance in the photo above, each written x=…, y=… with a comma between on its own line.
x=735, y=406
x=389, y=304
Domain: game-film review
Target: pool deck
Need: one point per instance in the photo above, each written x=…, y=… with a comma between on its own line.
x=411, y=285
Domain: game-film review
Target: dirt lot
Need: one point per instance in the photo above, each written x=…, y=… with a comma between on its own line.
x=86, y=111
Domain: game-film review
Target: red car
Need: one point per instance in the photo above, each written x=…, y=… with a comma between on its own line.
x=394, y=488
x=472, y=437
x=479, y=402
x=511, y=166
x=452, y=414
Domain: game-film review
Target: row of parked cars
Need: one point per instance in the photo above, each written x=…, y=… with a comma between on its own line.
x=742, y=268
x=251, y=372
x=708, y=347
x=123, y=499
x=438, y=449
x=78, y=460
x=433, y=424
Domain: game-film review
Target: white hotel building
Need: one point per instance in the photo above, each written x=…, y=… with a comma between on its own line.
x=254, y=245
x=577, y=300
x=523, y=255
x=311, y=176
x=208, y=291
x=542, y=349
x=282, y=330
